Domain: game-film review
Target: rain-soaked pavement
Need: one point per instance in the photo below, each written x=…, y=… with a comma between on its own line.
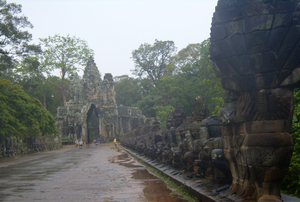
x=93, y=173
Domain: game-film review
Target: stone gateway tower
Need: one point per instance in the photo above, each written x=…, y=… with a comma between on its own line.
x=255, y=48
x=92, y=111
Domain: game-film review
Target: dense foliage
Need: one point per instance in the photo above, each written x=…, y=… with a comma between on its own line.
x=291, y=182
x=14, y=38
x=187, y=75
x=21, y=115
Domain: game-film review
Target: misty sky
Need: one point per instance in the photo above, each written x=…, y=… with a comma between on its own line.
x=114, y=28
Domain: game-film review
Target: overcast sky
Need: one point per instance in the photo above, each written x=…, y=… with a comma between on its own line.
x=114, y=28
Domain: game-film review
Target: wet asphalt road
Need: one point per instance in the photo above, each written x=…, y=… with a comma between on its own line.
x=93, y=173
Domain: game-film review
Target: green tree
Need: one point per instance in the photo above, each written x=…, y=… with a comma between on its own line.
x=128, y=90
x=153, y=60
x=147, y=104
x=37, y=85
x=192, y=80
x=189, y=55
x=66, y=54
x=14, y=38
x=20, y=115
x=193, y=77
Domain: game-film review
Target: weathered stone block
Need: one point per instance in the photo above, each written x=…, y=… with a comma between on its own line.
x=267, y=126
x=292, y=78
x=217, y=70
x=232, y=83
x=274, y=174
x=231, y=13
x=247, y=82
x=268, y=140
x=234, y=27
x=219, y=32
x=269, y=62
x=226, y=47
x=216, y=18
x=287, y=75
x=258, y=23
x=282, y=19
x=235, y=64
x=284, y=155
x=226, y=142
x=225, y=66
x=226, y=130
x=259, y=157
x=256, y=41
x=253, y=64
x=292, y=37
x=260, y=81
x=254, y=9
x=238, y=140
x=282, y=57
x=217, y=53
x=282, y=7
x=239, y=129
x=238, y=43
x=293, y=61
x=228, y=3
x=276, y=37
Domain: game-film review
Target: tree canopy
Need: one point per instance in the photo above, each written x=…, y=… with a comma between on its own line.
x=66, y=54
x=14, y=36
x=152, y=60
x=192, y=77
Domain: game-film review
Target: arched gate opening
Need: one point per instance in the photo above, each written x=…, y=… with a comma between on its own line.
x=92, y=124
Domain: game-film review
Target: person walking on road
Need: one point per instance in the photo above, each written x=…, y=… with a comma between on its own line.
x=80, y=144
x=116, y=144
x=76, y=142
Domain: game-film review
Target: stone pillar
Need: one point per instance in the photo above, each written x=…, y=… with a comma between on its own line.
x=255, y=50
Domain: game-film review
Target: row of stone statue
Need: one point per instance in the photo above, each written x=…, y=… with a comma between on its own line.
x=194, y=145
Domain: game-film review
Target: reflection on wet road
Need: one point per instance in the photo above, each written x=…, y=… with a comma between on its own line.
x=154, y=188
x=94, y=173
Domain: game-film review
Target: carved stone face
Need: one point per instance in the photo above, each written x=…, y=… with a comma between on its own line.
x=178, y=116
x=199, y=111
x=178, y=119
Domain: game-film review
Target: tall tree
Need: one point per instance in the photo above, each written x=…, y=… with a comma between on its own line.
x=14, y=38
x=189, y=55
x=66, y=54
x=128, y=90
x=153, y=60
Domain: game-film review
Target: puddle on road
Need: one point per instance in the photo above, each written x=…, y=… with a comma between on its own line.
x=155, y=189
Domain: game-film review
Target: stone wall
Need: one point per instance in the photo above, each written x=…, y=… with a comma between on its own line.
x=15, y=147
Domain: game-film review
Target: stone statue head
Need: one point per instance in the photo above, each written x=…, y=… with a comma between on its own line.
x=199, y=110
x=156, y=124
x=178, y=116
